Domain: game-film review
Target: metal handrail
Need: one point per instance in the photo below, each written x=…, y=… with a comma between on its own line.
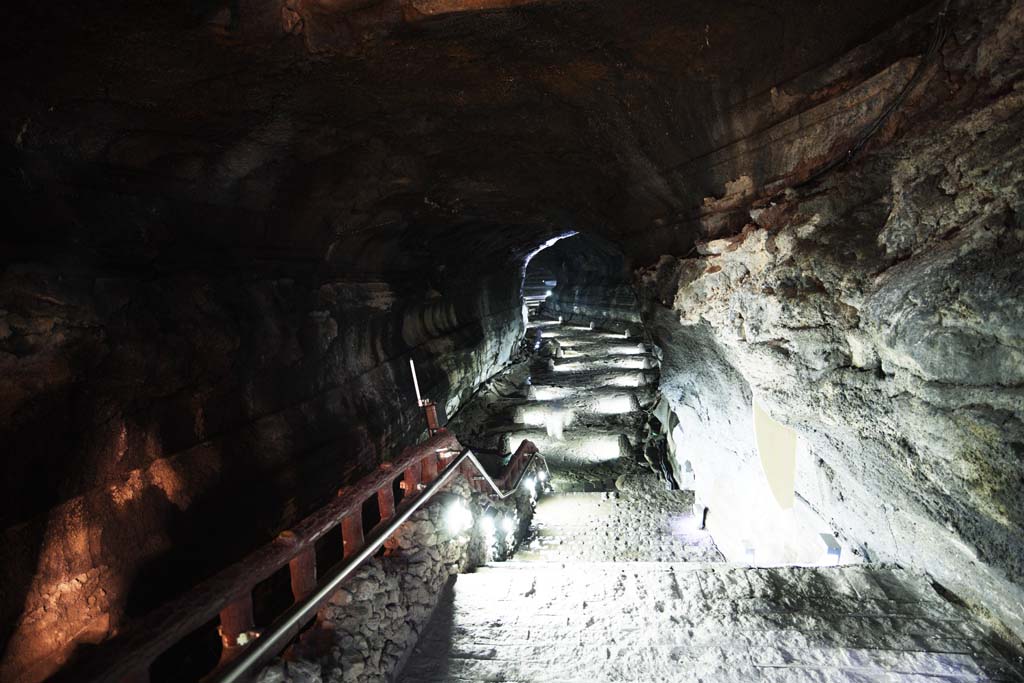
x=288, y=625
x=519, y=480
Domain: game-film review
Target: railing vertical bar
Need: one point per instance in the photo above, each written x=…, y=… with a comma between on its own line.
x=236, y=620
x=412, y=478
x=302, y=568
x=352, y=533
x=428, y=468
x=386, y=503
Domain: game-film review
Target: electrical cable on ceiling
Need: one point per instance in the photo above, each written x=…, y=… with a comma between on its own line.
x=939, y=35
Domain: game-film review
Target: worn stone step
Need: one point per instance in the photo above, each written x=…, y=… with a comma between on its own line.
x=642, y=621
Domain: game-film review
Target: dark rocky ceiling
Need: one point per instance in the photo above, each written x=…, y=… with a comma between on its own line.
x=141, y=138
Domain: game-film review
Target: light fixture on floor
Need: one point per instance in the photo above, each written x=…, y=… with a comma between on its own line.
x=487, y=526
x=457, y=517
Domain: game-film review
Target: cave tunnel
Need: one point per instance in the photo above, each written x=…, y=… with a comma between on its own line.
x=528, y=340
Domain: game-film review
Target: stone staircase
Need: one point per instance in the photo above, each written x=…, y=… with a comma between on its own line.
x=616, y=582
x=537, y=286
x=649, y=621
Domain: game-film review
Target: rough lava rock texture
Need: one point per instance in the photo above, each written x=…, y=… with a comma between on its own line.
x=224, y=239
x=879, y=312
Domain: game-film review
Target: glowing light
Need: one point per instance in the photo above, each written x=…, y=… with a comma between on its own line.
x=553, y=420
x=684, y=525
x=508, y=524
x=530, y=483
x=458, y=518
x=547, y=293
x=615, y=405
x=542, y=476
x=487, y=525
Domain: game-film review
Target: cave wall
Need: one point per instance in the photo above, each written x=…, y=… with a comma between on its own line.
x=158, y=427
x=878, y=311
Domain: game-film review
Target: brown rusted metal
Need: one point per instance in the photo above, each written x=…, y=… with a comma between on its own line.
x=433, y=424
x=237, y=627
x=229, y=593
x=412, y=478
x=290, y=623
x=302, y=568
x=352, y=532
x=386, y=503
x=428, y=468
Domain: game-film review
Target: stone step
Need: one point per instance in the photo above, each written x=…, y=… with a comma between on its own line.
x=589, y=444
x=597, y=402
x=618, y=526
x=644, y=621
x=596, y=378
x=570, y=424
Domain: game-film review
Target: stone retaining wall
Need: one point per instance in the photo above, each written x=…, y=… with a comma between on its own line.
x=374, y=621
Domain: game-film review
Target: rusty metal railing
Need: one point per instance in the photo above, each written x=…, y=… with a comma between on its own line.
x=424, y=469
x=291, y=622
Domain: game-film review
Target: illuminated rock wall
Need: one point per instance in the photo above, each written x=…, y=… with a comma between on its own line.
x=156, y=429
x=879, y=313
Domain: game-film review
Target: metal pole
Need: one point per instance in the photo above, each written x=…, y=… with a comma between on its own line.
x=415, y=382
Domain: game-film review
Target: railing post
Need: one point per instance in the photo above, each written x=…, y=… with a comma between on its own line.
x=352, y=532
x=237, y=626
x=429, y=467
x=302, y=568
x=470, y=474
x=386, y=502
x=412, y=479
